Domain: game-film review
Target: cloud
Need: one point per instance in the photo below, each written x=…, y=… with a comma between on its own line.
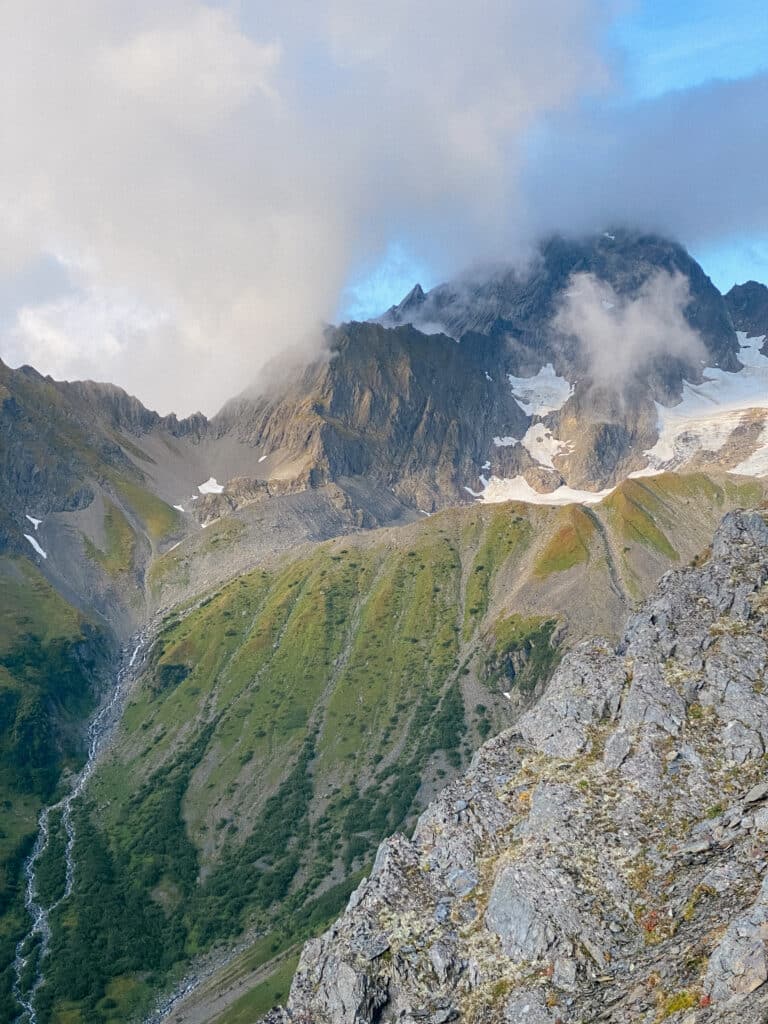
x=689, y=163
x=207, y=175
x=622, y=335
x=194, y=73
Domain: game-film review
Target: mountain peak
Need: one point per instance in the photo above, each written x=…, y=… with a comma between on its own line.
x=748, y=305
x=415, y=295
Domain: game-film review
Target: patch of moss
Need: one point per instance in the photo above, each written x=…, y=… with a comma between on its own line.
x=635, y=510
x=159, y=519
x=686, y=999
x=522, y=652
x=570, y=544
x=120, y=540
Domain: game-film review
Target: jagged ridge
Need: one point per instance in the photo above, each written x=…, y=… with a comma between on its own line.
x=604, y=859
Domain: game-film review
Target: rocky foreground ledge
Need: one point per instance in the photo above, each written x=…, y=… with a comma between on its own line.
x=604, y=860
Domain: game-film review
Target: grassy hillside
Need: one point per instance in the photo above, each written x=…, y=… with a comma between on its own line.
x=48, y=656
x=297, y=715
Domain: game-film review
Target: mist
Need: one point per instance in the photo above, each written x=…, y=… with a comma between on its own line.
x=208, y=176
x=621, y=335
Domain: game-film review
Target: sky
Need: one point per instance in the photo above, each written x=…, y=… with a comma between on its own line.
x=664, y=47
x=188, y=190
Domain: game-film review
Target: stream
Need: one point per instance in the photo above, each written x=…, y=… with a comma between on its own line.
x=37, y=940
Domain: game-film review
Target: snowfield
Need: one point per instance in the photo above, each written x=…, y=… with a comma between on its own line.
x=518, y=489
x=211, y=486
x=703, y=420
x=709, y=412
x=543, y=393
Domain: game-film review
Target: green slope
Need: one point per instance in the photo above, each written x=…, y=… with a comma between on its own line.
x=299, y=714
x=49, y=655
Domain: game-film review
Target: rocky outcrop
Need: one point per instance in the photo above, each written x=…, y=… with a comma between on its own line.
x=410, y=411
x=605, y=859
x=748, y=306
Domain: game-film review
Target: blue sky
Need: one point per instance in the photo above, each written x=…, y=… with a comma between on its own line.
x=661, y=46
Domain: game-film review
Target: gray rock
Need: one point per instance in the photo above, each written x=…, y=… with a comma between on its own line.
x=569, y=867
x=739, y=964
x=536, y=910
x=757, y=793
x=585, y=690
x=528, y=1007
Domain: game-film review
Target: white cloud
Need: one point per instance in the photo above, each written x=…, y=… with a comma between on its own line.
x=193, y=71
x=76, y=335
x=226, y=165
x=622, y=334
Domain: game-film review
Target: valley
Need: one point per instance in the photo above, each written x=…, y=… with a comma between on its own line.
x=341, y=590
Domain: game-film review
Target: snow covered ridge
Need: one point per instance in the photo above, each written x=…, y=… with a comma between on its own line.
x=709, y=412
x=545, y=392
x=211, y=486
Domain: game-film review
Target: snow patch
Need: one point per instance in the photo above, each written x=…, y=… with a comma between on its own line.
x=261, y=459
x=543, y=393
x=35, y=545
x=486, y=465
x=35, y=522
x=488, y=377
x=542, y=446
x=179, y=508
x=211, y=486
x=646, y=471
x=504, y=442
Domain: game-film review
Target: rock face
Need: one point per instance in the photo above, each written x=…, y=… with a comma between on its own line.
x=523, y=305
x=409, y=410
x=748, y=306
x=605, y=859
x=398, y=401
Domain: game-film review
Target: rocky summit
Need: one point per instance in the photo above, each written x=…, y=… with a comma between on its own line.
x=606, y=858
